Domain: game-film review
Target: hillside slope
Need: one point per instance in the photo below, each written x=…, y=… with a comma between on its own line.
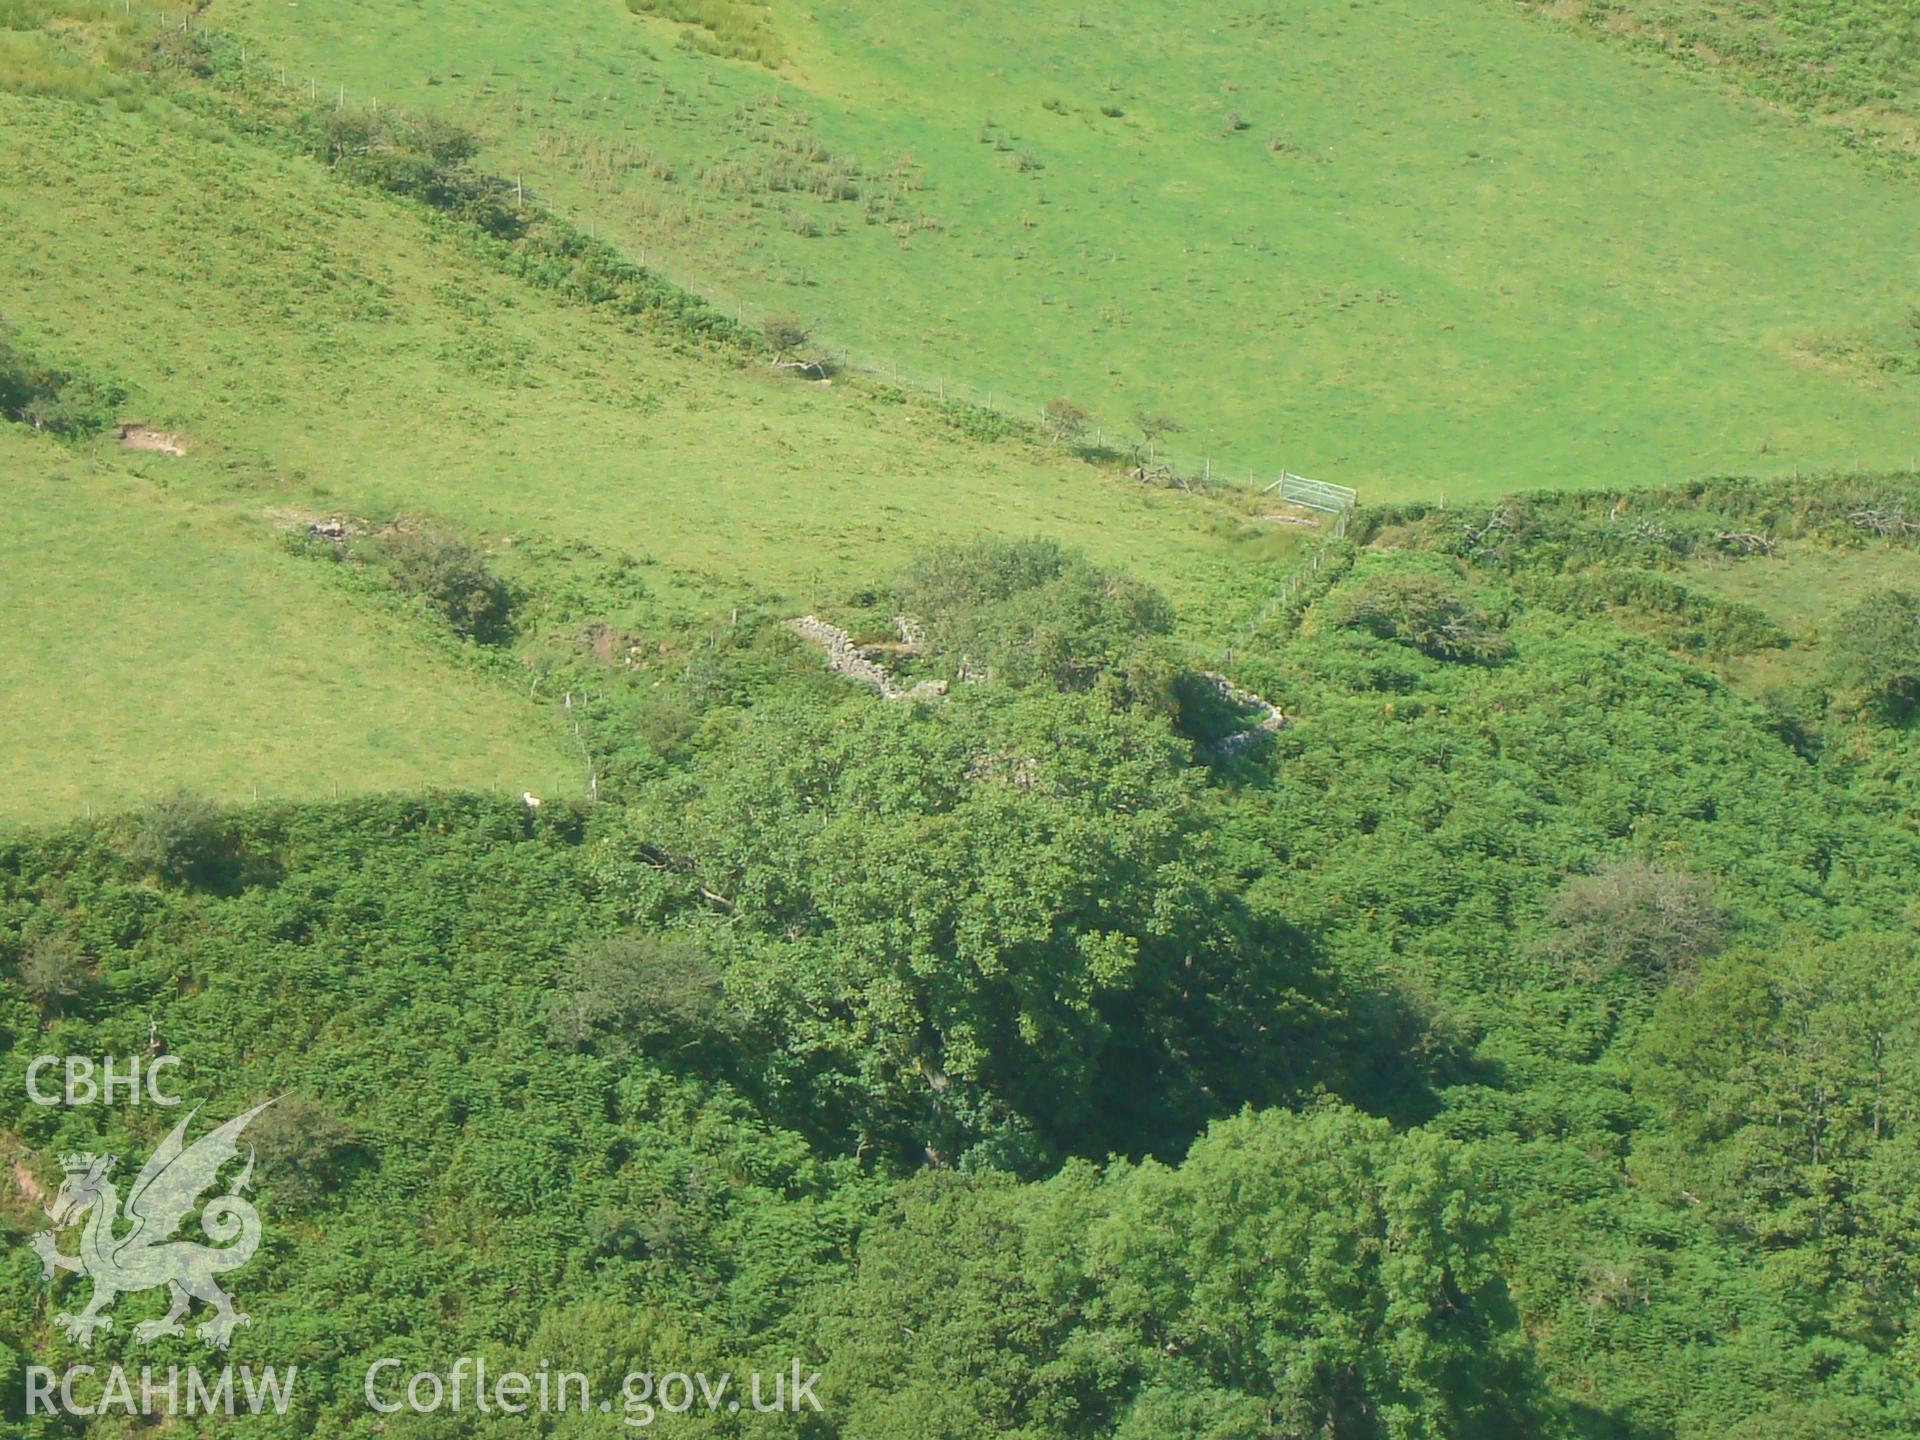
x=323, y=350
x=150, y=642
x=1418, y=248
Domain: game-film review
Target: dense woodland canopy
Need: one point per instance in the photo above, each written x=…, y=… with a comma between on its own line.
x=1517, y=1043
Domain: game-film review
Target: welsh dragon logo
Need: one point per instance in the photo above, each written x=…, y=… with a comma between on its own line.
x=125, y=1251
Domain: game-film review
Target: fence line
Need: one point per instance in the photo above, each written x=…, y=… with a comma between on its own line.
x=1290, y=588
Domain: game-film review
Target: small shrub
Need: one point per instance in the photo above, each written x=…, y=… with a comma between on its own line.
x=1031, y=614
x=628, y=990
x=964, y=577
x=451, y=578
x=180, y=50
x=1064, y=421
x=1424, y=611
x=1153, y=427
x=55, y=972
x=784, y=334
x=1633, y=917
x=303, y=1150
x=180, y=837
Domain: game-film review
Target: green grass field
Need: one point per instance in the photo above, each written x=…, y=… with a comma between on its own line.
x=324, y=349
x=150, y=642
x=1453, y=249
x=1853, y=64
x=320, y=350
x=318, y=345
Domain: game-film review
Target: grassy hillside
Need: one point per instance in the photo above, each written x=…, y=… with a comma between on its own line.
x=1484, y=1017
x=1451, y=250
x=320, y=343
x=320, y=349
x=1854, y=64
x=149, y=641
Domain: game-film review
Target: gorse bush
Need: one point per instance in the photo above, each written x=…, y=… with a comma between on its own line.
x=52, y=400
x=967, y=578
x=448, y=576
x=1426, y=611
x=178, y=50
x=1876, y=653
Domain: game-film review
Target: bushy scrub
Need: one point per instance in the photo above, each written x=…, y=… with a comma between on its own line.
x=1634, y=917
x=1680, y=618
x=449, y=577
x=1876, y=653
x=1419, y=608
x=179, y=837
x=734, y=29
x=423, y=157
x=1033, y=613
x=56, y=401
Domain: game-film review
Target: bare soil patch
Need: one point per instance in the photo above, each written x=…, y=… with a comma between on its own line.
x=144, y=437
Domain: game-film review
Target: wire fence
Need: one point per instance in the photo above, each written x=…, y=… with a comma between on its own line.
x=1305, y=574
x=1101, y=436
